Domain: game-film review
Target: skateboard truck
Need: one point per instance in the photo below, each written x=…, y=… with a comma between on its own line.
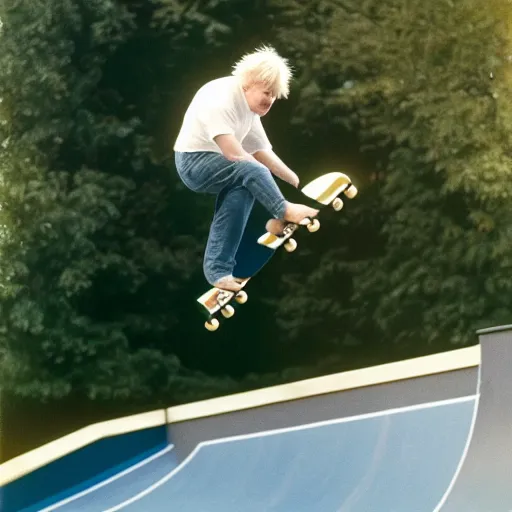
x=217, y=300
x=273, y=241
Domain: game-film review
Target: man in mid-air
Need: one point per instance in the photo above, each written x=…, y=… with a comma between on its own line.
x=223, y=149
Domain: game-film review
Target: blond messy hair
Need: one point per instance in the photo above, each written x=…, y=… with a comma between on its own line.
x=267, y=66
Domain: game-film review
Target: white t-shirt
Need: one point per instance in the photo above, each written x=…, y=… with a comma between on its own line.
x=220, y=107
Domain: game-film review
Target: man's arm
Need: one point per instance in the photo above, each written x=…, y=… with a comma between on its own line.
x=257, y=143
x=232, y=149
x=270, y=160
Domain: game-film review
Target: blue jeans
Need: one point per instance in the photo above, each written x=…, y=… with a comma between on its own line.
x=237, y=185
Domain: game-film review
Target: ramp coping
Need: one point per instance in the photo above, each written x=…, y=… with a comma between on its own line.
x=491, y=330
x=407, y=369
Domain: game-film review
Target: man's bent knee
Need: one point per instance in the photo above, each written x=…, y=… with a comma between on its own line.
x=253, y=170
x=249, y=165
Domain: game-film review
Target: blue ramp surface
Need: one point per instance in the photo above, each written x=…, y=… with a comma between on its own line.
x=81, y=470
x=123, y=486
x=395, y=461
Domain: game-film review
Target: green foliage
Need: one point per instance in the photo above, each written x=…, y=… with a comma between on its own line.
x=101, y=248
x=100, y=264
x=96, y=251
x=426, y=86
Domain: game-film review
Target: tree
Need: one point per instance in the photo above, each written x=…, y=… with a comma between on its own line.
x=426, y=88
x=100, y=265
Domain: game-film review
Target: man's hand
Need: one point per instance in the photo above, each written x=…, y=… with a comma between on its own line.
x=270, y=160
x=294, y=180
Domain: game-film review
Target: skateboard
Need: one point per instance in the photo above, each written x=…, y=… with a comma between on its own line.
x=257, y=245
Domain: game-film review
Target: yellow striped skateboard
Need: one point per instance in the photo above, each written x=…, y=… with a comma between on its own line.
x=325, y=190
x=258, y=246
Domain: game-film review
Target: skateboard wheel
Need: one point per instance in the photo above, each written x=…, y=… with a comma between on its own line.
x=227, y=311
x=337, y=204
x=241, y=297
x=314, y=226
x=212, y=325
x=351, y=192
x=290, y=245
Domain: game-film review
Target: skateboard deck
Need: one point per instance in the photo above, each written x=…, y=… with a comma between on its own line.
x=257, y=245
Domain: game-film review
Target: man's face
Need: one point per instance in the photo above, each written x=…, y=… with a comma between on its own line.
x=259, y=97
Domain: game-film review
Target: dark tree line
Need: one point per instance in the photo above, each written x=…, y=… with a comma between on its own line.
x=101, y=246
